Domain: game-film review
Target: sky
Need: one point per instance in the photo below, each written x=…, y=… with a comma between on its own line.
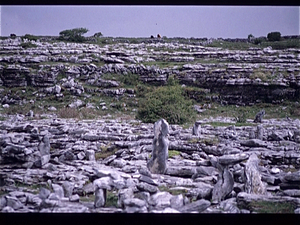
x=144, y=21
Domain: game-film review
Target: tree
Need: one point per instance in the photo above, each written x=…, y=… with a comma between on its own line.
x=74, y=35
x=250, y=38
x=274, y=36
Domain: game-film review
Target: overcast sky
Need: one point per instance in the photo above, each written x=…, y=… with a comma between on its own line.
x=144, y=21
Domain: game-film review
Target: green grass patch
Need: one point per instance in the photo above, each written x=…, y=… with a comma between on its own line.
x=231, y=45
x=111, y=199
x=283, y=44
x=172, y=153
x=210, y=141
x=35, y=188
x=105, y=152
x=87, y=198
x=193, y=140
x=28, y=45
x=173, y=192
x=272, y=207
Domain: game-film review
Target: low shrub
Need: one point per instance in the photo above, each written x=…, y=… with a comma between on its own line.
x=30, y=37
x=28, y=45
x=167, y=102
x=272, y=207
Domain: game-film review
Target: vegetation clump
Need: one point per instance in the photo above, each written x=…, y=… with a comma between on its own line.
x=274, y=36
x=168, y=102
x=272, y=207
x=73, y=35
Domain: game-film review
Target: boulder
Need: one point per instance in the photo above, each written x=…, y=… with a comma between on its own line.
x=197, y=206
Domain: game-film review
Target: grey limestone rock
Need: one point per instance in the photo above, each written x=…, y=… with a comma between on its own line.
x=160, y=200
x=135, y=205
x=100, y=197
x=44, y=193
x=58, y=190
x=182, y=171
x=74, y=198
x=229, y=206
x=103, y=183
x=260, y=132
x=254, y=143
x=13, y=202
x=224, y=185
x=158, y=162
x=197, y=206
x=233, y=159
x=147, y=187
x=68, y=188
x=253, y=183
x=197, y=128
x=259, y=116
x=90, y=155
x=177, y=202
x=124, y=194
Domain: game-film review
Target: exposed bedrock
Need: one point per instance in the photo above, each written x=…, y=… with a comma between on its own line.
x=62, y=165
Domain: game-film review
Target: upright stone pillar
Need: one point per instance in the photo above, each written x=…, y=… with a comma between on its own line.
x=260, y=132
x=197, y=128
x=158, y=162
x=224, y=186
x=253, y=184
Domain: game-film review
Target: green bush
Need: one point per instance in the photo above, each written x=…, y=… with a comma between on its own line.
x=166, y=102
x=28, y=45
x=259, y=40
x=274, y=36
x=74, y=35
x=30, y=37
x=98, y=34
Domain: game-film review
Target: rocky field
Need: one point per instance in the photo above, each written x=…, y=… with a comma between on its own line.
x=70, y=140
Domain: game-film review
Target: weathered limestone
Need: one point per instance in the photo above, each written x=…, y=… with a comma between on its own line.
x=259, y=116
x=253, y=183
x=223, y=187
x=158, y=161
x=44, y=148
x=123, y=177
x=196, y=129
x=244, y=200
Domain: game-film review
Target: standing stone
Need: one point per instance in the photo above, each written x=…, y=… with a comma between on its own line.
x=252, y=134
x=197, y=128
x=297, y=136
x=100, y=195
x=260, y=132
x=68, y=188
x=90, y=155
x=224, y=186
x=44, y=193
x=259, y=116
x=158, y=162
x=58, y=190
x=44, y=148
x=253, y=183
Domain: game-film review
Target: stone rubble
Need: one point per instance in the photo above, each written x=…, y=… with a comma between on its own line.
x=74, y=177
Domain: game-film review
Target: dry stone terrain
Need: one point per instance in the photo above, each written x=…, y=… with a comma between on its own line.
x=53, y=164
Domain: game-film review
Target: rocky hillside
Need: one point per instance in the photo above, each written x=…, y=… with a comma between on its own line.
x=67, y=146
